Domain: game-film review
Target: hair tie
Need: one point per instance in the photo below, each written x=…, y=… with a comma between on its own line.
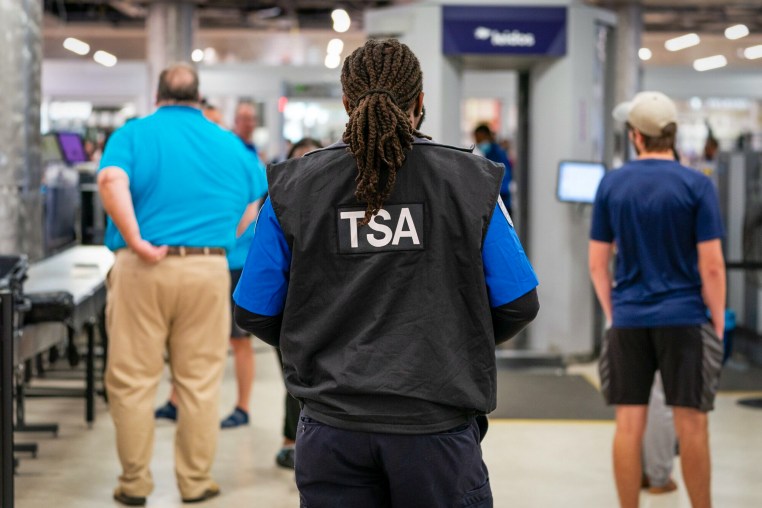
x=377, y=90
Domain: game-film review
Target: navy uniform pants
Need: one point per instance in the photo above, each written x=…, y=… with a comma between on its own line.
x=349, y=469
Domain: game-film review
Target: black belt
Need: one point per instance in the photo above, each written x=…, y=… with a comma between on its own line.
x=195, y=251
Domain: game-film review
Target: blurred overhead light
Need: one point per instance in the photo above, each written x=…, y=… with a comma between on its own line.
x=76, y=46
x=105, y=58
x=332, y=60
x=682, y=42
x=197, y=55
x=335, y=46
x=210, y=55
x=753, y=52
x=645, y=54
x=341, y=20
x=736, y=32
x=709, y=63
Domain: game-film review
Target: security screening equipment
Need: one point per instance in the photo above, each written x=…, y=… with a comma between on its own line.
x=562, y=53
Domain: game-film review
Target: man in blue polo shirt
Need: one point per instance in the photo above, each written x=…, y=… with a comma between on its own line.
x=663, y=221
x=176, y=187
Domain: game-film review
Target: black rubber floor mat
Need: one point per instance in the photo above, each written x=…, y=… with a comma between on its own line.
x=526, y=395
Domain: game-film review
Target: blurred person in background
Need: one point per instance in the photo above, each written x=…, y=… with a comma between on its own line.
x=240, y=340
x=491, y=149
x=285, y=457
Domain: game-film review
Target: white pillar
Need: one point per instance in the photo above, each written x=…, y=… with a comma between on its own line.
x=420, y=27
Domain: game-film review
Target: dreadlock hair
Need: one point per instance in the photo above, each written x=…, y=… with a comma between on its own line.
x=381, y=81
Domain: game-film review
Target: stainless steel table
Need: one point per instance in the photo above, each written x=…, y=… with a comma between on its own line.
x=80, y=271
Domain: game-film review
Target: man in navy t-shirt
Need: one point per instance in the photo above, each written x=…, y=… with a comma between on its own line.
x=663, y=221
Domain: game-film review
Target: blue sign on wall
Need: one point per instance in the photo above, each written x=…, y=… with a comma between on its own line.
x=492, y=30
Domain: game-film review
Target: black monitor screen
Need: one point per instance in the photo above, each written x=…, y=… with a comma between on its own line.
x=51, y=152
x=72, y=147
x=61, y=200
x=578, y=181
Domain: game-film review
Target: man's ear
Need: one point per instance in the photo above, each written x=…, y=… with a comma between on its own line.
x=345, y=101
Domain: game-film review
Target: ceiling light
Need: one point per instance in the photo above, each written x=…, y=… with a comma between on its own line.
x=645, y=54
x=736, y=32
x=332, y=60
x=197, y=55
x=335, y=46
x=709, y=63
x=105, y=58
x=682, y=42
x=76, y=46
x=341, y=20
x=753, y=52
x=210, y=55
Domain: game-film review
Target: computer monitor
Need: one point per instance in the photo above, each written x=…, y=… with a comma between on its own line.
x=60, y=203
x=578, y=181
x=72, y=147
x=51, y=151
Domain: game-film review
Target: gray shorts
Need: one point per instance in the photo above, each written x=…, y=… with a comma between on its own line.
x=689, y=359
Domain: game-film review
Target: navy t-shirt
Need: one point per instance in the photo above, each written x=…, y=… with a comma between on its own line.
x=656, y=212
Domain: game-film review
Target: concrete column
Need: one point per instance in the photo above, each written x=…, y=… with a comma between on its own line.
x=171, y=26
x=20, y=162
x=628, y=41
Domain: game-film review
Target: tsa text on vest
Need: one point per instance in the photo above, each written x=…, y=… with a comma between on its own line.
x=394, y=227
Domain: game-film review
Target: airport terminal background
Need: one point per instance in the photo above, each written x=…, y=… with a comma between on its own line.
x=77, y=71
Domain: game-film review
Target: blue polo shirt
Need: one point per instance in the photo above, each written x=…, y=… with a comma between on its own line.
x=190, y=180
x=264, y=283
x=237, y=255
x=656, y=211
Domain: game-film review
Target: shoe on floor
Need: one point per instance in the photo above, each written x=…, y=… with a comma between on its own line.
x=668, y=487
x=168, y=412
x=237, y=418
x=285, y=458
x=209, y=493
x=127, y=499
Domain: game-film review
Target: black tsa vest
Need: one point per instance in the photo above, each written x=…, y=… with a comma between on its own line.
x=387, y=326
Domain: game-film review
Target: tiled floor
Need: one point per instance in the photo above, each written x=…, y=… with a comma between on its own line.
x=533, y=464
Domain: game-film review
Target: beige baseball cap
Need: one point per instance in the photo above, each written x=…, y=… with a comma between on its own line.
x=648, y=112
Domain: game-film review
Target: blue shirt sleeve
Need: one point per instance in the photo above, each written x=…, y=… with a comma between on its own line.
x=708, y=219
x=506, y=267
x=118, y=151
x=600, y=229
x=264, y=281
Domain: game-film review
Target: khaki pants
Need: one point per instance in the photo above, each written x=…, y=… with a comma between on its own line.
x=180, y=305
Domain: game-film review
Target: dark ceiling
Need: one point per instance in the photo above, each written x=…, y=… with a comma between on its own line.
x=268, y=14
x=710, y=16
x=658, y=15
